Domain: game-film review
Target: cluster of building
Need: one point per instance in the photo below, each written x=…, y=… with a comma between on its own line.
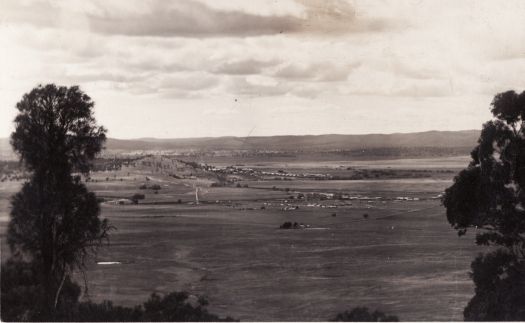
x=247, y=171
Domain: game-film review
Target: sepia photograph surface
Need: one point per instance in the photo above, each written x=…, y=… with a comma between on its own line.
x=262, y=160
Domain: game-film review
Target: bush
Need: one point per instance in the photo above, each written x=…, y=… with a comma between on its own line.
x=295, y=225
x=155, y=187
x=361, y=314
x=174, y=307
x=138, y=196
x=23, y=299
x=177, y=307
x=143, y=187
x=105, y=312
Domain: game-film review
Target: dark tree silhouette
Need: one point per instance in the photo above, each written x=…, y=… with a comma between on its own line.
x=55, y=221
x=55, y=129
x=362, y=314
x=21, y=290
x=500, y=286
x=489, y=195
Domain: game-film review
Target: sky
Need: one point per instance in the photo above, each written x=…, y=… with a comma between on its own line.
x=199, y=68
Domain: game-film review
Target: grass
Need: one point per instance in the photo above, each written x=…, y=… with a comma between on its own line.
x=404, y=259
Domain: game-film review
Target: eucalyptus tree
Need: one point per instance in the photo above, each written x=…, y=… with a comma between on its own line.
x=55, y=221
x=489, y=197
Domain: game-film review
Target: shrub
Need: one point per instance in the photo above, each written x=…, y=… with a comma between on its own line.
x=23, y=299
x=105, y=312
x=177, y=307
x=155, y=187
x=361, y=314
x=174, y=307
x=138, y=196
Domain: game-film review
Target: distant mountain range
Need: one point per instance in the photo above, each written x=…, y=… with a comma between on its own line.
x=308, y=143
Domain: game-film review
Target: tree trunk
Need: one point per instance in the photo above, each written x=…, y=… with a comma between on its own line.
x=59, y=290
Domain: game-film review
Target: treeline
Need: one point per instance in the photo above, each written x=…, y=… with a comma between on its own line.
x=111, y=164
x=406, y=152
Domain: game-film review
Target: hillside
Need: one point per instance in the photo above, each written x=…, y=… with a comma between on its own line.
x=443, y=140
x=438, y=139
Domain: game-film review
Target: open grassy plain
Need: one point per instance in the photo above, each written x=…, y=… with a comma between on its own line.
x=381, y=241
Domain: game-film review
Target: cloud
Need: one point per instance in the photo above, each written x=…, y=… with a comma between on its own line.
x=424, y=89
x=323, y=71
x=188, y=19
x=257, y=86
x=103, y=76
x=366, y=56
x=244, y=66
x=194, y=19
x=188, y=82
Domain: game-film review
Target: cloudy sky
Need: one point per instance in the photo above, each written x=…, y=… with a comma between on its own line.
x=159, y=68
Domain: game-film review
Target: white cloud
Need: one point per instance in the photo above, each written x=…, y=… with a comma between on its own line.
x=322, y=66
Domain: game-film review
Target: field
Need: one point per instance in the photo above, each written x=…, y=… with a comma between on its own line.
x=381, y=241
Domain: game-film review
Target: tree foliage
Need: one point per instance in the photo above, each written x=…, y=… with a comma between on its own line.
x=55, y=128
x=362, y=314
x=56, y=224
x=489, y=193
x=55, y=221
x=500, y=286
x=489, y=196
x=21, y=290
x=173, y=307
